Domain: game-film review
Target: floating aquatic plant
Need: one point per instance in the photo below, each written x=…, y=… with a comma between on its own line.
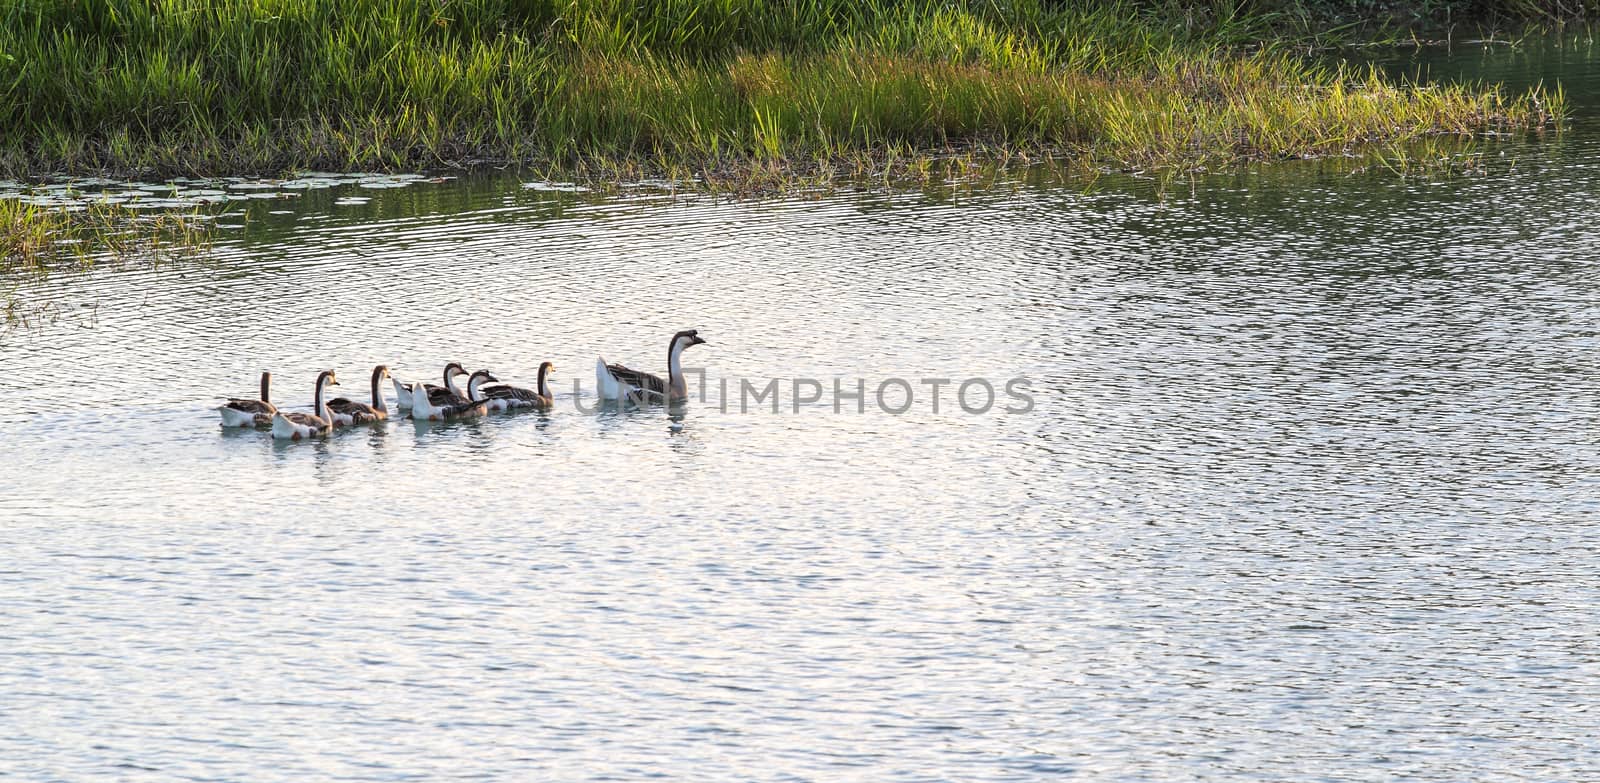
x=37, y=238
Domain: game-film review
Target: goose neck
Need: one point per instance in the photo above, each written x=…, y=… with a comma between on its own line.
x=318, y=407
x=675, y=369
x=474, y=392
x=377, y=388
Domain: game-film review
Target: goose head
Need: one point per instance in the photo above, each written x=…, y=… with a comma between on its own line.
x=688, y=338
x=544, y=377
x=682, y=341
x=478, y=379
x=325, y=379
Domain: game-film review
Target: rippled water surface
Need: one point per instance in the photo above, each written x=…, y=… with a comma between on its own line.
x=1309, y=490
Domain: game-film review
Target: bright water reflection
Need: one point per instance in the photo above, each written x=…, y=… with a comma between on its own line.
x=1309, y=492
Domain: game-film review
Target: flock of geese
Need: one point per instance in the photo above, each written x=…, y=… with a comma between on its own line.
x=430, y=402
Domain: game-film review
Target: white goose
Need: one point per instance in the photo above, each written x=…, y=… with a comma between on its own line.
x=503, y=396
x=294, y=426
x=425, y=409
x=346, y=411
x=250, y=413
x=616, y=382
x=440, y=395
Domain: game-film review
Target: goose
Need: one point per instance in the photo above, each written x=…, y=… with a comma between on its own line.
x=347, y=411
x=616, y=382
x=294, y=426
x=250, y=413
x=503, y=396
x=438, y=394
x=423, y=408
x=475, y=385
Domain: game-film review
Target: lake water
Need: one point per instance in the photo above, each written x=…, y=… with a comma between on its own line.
x=1309, y=489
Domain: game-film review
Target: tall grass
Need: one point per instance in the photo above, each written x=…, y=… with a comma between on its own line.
x=237, y=86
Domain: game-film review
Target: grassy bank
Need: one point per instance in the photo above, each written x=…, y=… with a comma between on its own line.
x=260, y=86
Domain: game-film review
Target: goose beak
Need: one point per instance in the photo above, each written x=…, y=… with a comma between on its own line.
x=698, y=340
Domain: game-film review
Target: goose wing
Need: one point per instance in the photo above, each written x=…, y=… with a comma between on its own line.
x=639, y=380
x=357, y=412
x=439, y=395
x=306, y=420
x=505, y=391
x=467, y=408
x=251, y=406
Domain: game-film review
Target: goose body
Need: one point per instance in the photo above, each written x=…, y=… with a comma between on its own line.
x=616, y=382
x=423, y=408
x=250, y=413
x=439, y=395
x=503, y=396
x=296, y=426
x=346, y=412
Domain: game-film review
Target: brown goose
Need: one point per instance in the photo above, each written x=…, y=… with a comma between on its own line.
x=403, y=392
x=503, y=396
x=425, y=409
x=347, y=411
x=616, y=382
x=250, y=413
x=294, y=426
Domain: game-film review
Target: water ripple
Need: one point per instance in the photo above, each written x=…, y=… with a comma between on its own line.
x=1308, y=492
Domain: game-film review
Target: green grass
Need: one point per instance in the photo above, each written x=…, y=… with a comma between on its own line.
x=700, y=86
x=36, y=239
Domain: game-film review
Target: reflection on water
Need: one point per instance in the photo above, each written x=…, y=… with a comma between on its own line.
x=1308, y=493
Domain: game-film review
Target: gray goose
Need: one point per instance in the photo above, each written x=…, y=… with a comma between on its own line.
x=423, y=408
x=294, y=426
x=346, y=411
x=439, y=395
x=503, y=396
x=250, y=413
x=616, y=382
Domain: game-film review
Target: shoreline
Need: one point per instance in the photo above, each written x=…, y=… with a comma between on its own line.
x=690, y=86
x=897, y=166
x=1544, y=114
